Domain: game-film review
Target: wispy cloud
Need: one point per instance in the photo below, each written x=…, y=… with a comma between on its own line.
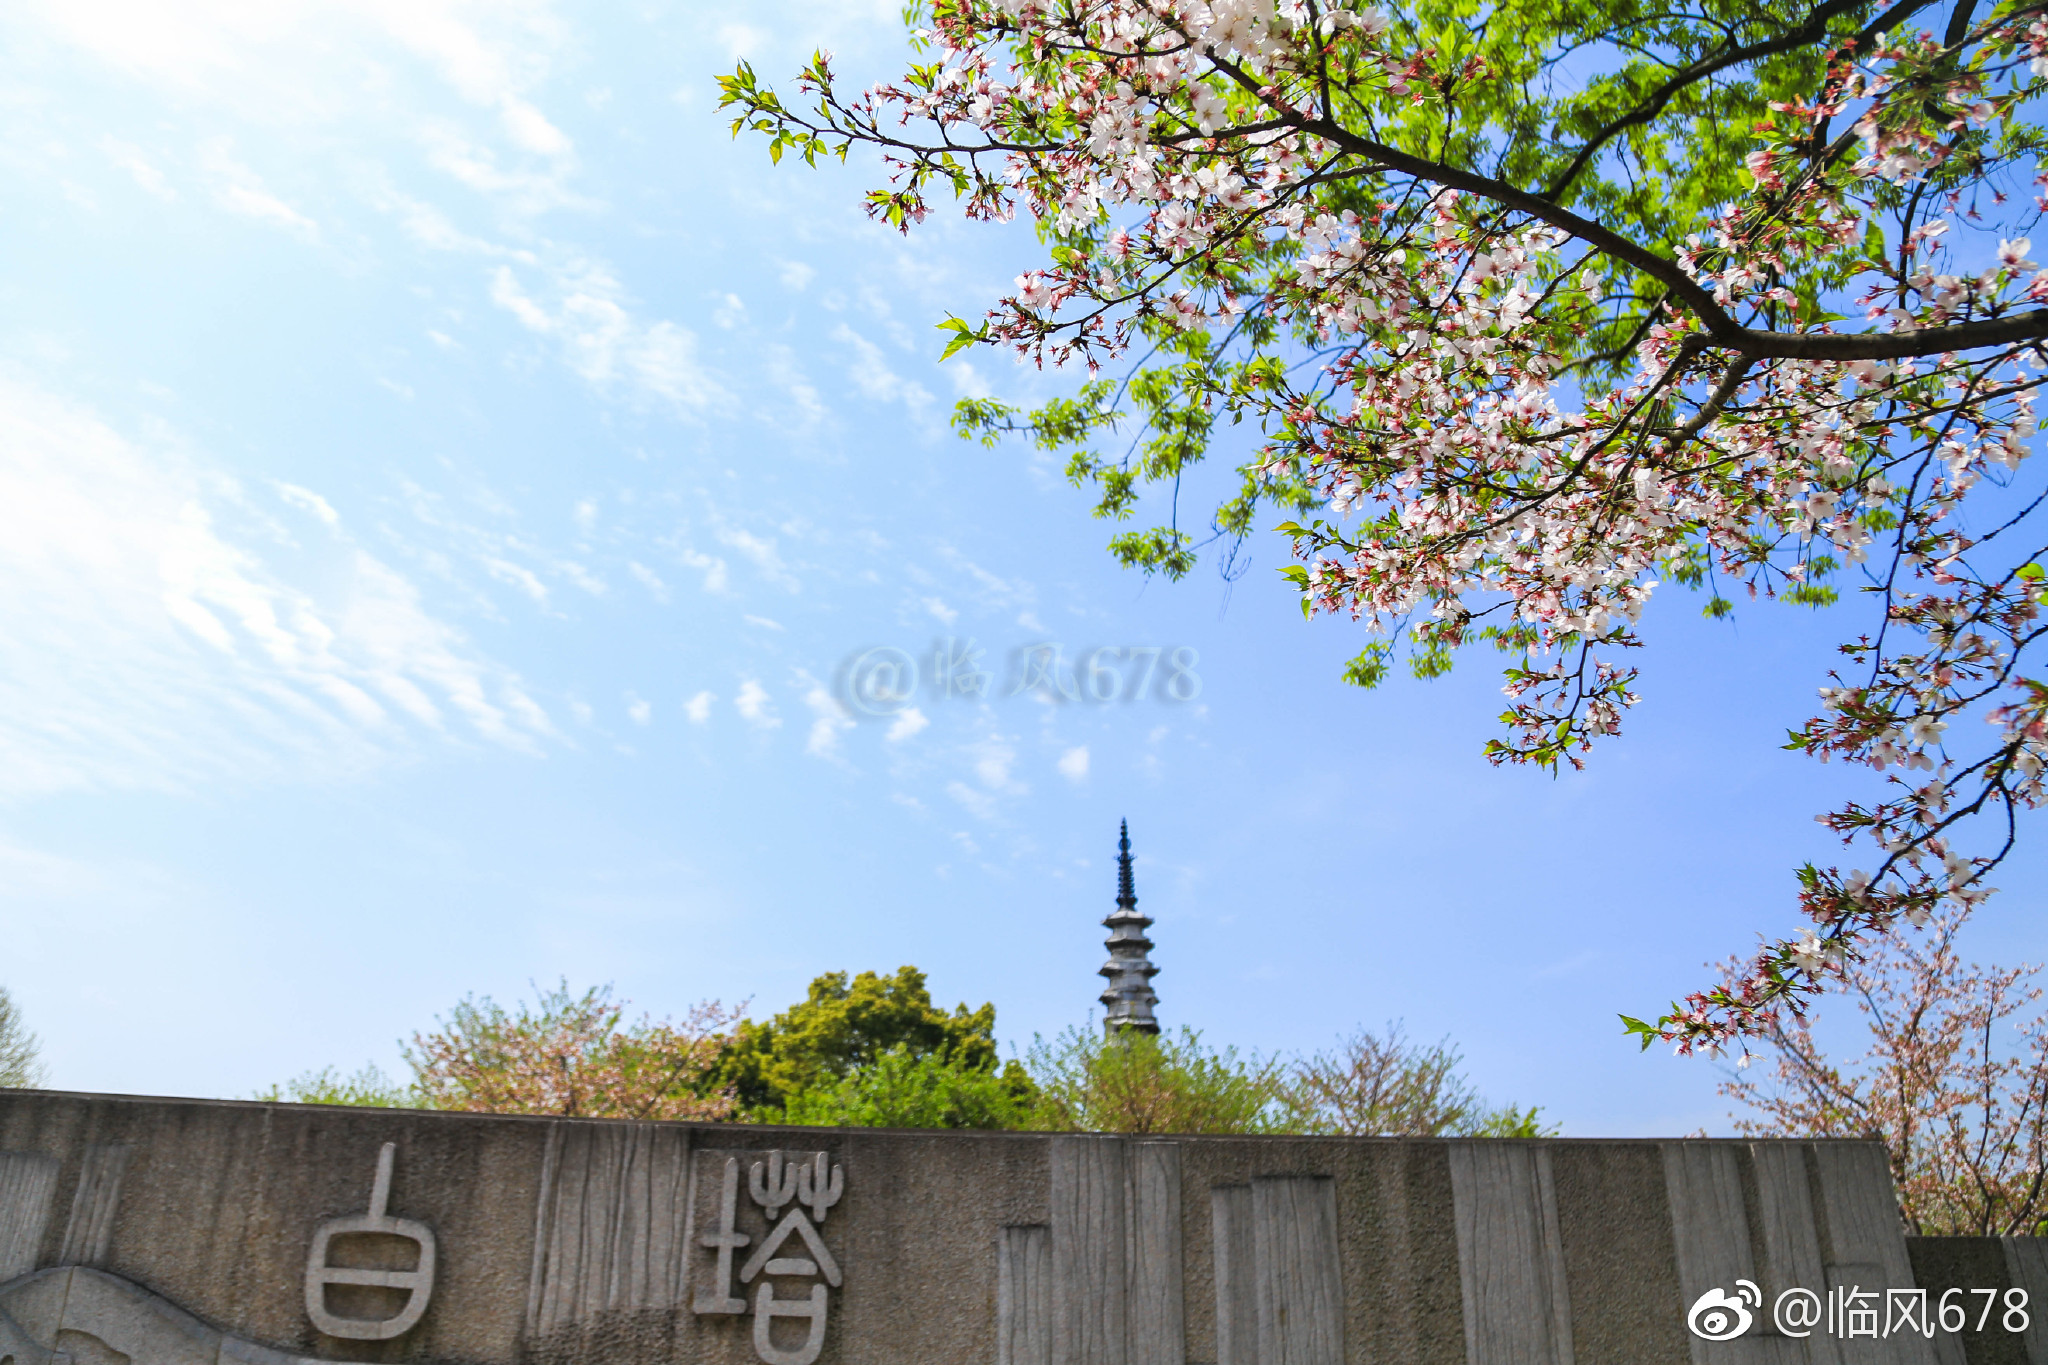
x=1073, y=764
x=828, y=718
x=755, y=706
x=761, y=550
x=241, y=190
x=154, y=641
x=130, y=159
x=604, y=342
x=993, y=757
x=711, y=566
x=649, y=580
x=871, y=374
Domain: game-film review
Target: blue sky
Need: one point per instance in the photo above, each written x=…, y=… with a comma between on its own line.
x=444, y=480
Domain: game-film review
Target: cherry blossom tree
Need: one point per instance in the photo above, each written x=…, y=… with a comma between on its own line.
x=1385, y=1085
x=1954, y=1079
x=574, y=1055
x=1533, y=307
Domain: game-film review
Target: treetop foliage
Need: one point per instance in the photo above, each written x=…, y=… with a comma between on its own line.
x=1145, y=1083
x=846, y=1025
x=574, y=1055
x=20, y=1068
x=1383, y=1084
x=873, y=1051
x=902, y=1089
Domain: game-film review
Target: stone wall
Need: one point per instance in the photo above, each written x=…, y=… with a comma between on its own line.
x=175, y=1232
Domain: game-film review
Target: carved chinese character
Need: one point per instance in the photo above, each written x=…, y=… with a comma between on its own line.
x=725, y=1241
x=767, y=1308
x=418, y=1283
x=795, y=1196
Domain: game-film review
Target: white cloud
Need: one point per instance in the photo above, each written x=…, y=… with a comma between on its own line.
x=942, y=613
x=254, y=202
x=698, y=708
x=529, y=128
x=741, y=39
x=306, y=500
x=797, y=275
x=978, y=803
x=712, y=566
x=608, y=346
x=240, y=190
x=639, y=709
x=755, y=706
x=967, y=381
x=131, y=160
x=993, y=766
x=787, y=378
x=907, y=723
x=997, y=594
x=994, y=756
x=828, y=718
x=871, y=374
x=762, y=551
x=150, y=643
x=763, y=622
x=306, y=59
x=583, y=578
x=649, y=579
x=1073, y=764
x=519, y=577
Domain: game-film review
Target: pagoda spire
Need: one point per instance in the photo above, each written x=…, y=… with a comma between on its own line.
x=1128, y=1001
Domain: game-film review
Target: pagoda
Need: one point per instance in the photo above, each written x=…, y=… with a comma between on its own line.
x=1128, y=1001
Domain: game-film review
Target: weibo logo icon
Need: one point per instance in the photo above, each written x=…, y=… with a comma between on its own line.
x=1718, y=1315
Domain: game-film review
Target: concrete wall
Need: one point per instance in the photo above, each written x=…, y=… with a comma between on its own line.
x=173, y=1232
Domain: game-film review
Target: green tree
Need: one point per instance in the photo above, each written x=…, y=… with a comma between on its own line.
x=846, y=1026
x=369, y=1088
x=1145, y=1083
x=1384, y=1085
x=20, y=1068
x=902, y=1090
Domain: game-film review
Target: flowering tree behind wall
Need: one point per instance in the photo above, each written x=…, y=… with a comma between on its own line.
x=1955, y=1080
x=1531, y=306
x=574, y=1055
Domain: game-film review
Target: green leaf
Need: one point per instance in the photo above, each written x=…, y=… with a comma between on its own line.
x=1369, y=669
x=963, y=337
x=1648, y=1033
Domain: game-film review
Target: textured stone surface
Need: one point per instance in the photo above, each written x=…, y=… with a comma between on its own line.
x=161, y=1232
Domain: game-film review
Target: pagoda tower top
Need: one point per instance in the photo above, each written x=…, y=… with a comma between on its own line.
x=1128, y=1000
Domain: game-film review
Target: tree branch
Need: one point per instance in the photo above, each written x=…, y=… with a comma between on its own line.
x=1815, y=27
